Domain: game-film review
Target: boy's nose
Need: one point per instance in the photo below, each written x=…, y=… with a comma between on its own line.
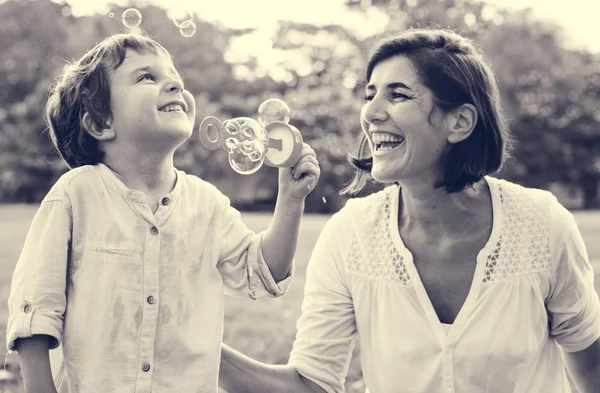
x=175, y=85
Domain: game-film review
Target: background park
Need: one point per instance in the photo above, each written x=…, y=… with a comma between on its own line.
x=312, y=57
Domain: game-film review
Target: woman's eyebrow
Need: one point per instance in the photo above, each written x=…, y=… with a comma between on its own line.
x=393, y=85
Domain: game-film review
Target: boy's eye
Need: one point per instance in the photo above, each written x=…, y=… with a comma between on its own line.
x=145, y=75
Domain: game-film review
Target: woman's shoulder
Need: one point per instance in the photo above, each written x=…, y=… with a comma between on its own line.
x=372, y=202
x=519, y=196
x=528, y=203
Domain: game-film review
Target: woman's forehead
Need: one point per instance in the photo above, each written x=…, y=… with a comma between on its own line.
x=396, y=69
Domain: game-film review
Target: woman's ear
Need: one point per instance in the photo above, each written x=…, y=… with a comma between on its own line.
x=462, y=122
x=101, y=134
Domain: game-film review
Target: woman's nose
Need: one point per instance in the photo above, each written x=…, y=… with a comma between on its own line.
x=374, y=111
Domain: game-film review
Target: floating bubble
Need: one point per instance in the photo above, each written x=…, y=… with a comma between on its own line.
x=111, y=14
x=248, y=132
x=256, y=155
x=272, y=110
x=247, y=147
x=248, y=155
x=246, y=164
x=229, y=144
x=187, y=28
x=231, y=127
x=132, y=18
x=180, y=16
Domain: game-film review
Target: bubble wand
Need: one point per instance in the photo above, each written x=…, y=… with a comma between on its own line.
x=250, y=143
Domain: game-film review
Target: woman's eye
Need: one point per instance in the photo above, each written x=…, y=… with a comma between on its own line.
x=400, y=96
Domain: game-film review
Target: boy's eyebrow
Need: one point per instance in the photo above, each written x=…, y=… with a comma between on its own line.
x=151, y=69
x=393, y=85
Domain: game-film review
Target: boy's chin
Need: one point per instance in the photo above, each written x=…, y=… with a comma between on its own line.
x=179, y=134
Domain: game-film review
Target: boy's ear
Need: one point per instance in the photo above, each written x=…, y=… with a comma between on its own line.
x=102, y=134
x=462, y=122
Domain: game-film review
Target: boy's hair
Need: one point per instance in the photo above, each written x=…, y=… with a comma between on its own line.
x=84, y=87
x=453, y=69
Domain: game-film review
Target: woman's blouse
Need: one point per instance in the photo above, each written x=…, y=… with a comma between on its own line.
x=532, y=293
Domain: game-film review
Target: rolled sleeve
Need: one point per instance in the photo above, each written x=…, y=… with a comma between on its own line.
x=262, y=283
x=327, y=328
x=243, y=268
x=573, y=305
x=37, y=300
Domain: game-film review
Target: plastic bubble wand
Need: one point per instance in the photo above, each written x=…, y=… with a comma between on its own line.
x=250, y=143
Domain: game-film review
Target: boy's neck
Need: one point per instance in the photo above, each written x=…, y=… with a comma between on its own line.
x=147, y=174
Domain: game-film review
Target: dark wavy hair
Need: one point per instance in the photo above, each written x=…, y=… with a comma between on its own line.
x=454, y=70
x=84, y=87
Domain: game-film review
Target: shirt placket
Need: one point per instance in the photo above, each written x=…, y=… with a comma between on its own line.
x=151, y=263
x=448, y=368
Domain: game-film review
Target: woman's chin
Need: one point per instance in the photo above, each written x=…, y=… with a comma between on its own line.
x=384, y=175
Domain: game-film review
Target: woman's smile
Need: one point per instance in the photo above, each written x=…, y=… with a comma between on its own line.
x=384, y=142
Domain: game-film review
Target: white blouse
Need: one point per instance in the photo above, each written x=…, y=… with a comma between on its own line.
x=532, y=293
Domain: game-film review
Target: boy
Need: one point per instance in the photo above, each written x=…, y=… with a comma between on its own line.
x=127, y=258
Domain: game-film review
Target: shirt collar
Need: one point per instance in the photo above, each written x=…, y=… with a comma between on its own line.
x=112, y=181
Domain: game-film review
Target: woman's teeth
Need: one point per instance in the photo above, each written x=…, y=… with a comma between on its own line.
x=386, y=142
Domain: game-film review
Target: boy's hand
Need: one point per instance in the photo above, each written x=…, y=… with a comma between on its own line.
x=298, y=181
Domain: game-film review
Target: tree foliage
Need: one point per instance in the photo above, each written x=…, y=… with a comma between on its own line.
x=550, y=93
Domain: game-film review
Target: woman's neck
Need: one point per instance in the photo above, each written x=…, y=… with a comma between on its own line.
x=435, y=211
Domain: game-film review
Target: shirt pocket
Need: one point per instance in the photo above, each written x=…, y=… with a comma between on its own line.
x=104, y=260
x=112, y=249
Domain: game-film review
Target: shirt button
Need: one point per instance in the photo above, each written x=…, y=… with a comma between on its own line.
x=27, y=309
x=150, y=299
x=165, y=201
x=145, y=367
x=154, y=230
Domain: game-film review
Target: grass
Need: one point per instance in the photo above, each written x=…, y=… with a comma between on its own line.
x=263, y=329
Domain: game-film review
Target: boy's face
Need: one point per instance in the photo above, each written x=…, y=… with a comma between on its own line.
x=150, y=109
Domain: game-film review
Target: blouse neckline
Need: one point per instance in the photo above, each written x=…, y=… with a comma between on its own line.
x=455, y=328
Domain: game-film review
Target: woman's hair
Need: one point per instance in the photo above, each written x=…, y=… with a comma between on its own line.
x=84, y=87
x=454, y=70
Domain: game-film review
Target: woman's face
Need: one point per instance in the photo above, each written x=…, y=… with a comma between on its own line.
x=406, y=142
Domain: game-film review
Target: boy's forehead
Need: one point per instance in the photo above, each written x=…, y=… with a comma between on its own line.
x=134, y=60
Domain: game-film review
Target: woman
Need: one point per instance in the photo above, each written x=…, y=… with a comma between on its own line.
x=452, y=280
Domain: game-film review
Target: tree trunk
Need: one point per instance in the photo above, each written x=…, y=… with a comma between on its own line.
x=589, y=186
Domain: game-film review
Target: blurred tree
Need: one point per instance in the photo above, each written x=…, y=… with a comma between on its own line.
x=550, y=94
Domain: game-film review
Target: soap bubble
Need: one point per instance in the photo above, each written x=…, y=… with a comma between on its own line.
x=248, y=155
x=187, y=28
x=229, y=144
x=111, y=14
x=132, y=18
x=247, y=147
x=273, y=110
x=247, y=132
x=258, y=152
x=246, y=163
x=180, y=16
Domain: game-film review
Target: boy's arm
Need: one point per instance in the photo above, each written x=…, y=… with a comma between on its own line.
x=280, y=239
x=35, y=364
x=37, y=299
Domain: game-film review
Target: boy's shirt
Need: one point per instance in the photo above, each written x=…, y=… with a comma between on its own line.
x=135, y=299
